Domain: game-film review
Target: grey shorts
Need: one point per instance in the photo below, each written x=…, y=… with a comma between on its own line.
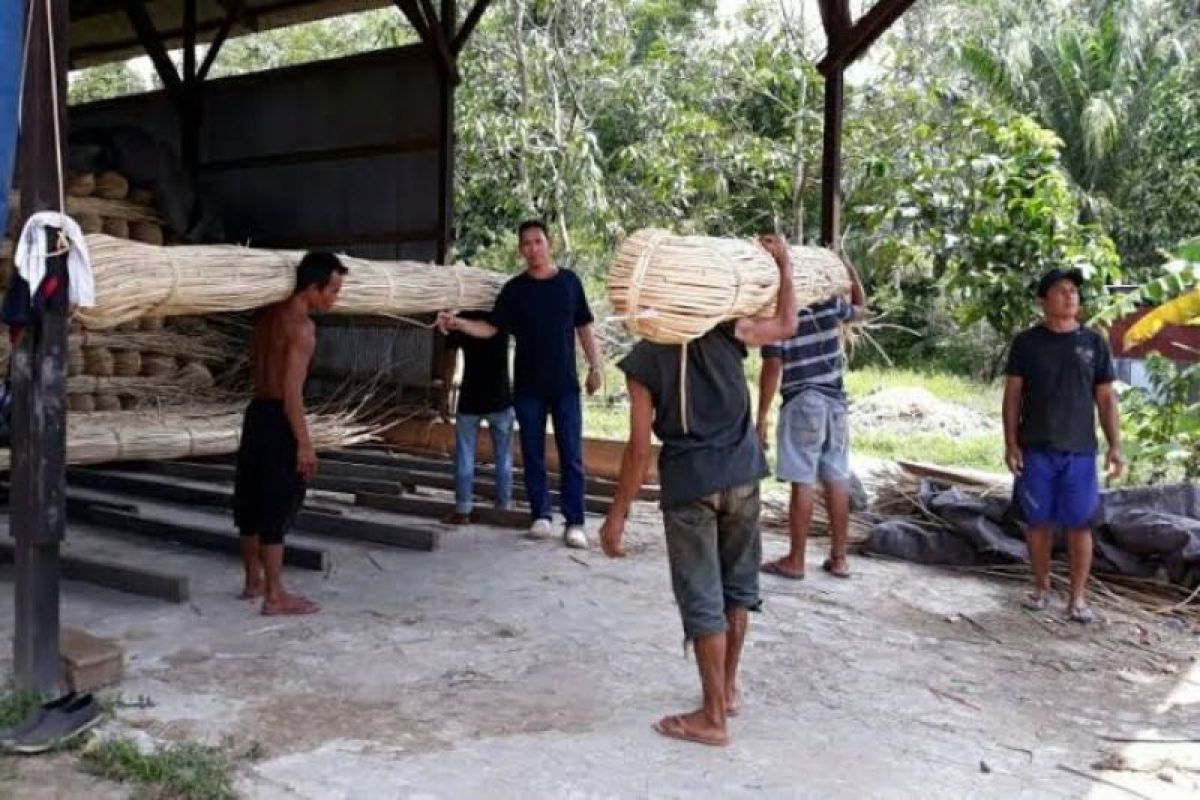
x=714, y=548
x=813, y=440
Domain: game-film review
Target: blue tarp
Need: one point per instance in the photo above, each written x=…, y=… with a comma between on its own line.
x=12, y=35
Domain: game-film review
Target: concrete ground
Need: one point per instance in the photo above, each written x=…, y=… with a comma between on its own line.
x=499, y=667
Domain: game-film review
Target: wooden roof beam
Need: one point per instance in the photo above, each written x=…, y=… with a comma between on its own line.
x=848, y=45
x=424, y=19
x=468, y=26
x=149, y=37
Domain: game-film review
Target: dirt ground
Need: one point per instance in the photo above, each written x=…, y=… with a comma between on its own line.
x=500, y=667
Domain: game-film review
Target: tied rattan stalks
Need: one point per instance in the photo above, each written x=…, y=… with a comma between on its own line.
x=124, y=436
x=673, y=289
x=135, y=280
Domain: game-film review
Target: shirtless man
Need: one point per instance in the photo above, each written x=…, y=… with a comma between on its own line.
x=276, y=457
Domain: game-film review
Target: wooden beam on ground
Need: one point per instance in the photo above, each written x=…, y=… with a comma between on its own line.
x=122, y=578
x=437, y=509
x=853, y=42
x=601, y=457
x=596, y=486
x=308, y=520
x=217, y=540
x=359, y=530
x=225, y=473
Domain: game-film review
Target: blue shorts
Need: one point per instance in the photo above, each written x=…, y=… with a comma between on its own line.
x=1057, y=488
x=813, y=440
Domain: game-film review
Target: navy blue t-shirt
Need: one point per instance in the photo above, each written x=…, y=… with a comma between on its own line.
x=542, y=315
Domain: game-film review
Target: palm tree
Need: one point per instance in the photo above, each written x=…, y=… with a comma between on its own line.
x=1087, y=74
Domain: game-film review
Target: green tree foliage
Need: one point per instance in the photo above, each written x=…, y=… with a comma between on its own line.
x=1102, y=75
x=973, y=198
x=105, y=81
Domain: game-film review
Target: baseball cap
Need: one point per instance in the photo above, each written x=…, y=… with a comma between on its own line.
x=1052, y=277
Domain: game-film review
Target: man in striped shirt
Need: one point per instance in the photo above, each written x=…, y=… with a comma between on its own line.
x=813, y=437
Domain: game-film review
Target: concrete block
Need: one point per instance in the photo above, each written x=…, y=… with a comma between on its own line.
x=89, y=662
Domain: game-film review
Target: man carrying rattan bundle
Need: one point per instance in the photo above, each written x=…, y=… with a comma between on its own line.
x=813, y=437
x=275, y=454
x=709, y=468
x=544, y=309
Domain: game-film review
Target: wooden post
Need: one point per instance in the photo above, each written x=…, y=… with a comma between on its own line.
x=831, y=161
x=38, y=502
x=447, y=80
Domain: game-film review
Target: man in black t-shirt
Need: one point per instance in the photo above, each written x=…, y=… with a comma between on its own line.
x=1058, y=374
x=484, y=395
x=545, y=310
x=710, y=466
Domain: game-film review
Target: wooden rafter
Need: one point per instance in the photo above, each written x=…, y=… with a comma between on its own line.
x=468, y=26
x=846, y=45
x=148, y=35
x=233, y=15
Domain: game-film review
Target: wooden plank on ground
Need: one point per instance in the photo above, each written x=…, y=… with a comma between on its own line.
x=437, y=509
x=121, y=577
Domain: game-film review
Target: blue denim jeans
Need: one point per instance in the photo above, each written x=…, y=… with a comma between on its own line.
x=567, y=413
x=466, y=437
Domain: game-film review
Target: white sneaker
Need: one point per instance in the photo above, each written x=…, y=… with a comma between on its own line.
x=540, y=529
x=574, y=537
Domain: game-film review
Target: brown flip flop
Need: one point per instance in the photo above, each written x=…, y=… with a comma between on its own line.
x=837, y=573
x=773, y=568
x=292, y=607
x=673, y=727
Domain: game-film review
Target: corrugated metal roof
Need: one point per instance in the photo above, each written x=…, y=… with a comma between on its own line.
x=101, y=32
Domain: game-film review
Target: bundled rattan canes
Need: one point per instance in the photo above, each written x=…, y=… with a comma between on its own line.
x=134, y=280
x=672, y=289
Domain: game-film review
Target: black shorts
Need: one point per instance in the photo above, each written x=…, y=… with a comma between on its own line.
x=268, y=490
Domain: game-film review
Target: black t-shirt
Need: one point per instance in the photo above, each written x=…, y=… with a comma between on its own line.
x=1060, y=373
x=720, y=450
x=485, y=386
x=542, y=316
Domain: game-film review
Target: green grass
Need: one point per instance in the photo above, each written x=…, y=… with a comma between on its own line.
x=15, y=707
x=982, y=397
x=977, y=452
x=608, y=417
x=178, y=772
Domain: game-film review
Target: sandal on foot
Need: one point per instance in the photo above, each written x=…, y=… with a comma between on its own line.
x=1037, y=601
x=673, y=727
x=291, y=606
x=828, y=566
x=777, y=569
x=1081, y=614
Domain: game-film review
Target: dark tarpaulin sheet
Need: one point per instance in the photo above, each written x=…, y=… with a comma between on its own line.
x=1140, y=532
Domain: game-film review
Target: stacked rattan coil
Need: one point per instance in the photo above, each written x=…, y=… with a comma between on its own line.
x=673, y=289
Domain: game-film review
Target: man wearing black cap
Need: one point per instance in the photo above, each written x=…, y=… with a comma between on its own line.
x=1058, y=372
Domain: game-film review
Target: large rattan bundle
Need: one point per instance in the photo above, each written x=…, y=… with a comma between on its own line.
x=135, y=280
x=673, y=289
x=199, y=431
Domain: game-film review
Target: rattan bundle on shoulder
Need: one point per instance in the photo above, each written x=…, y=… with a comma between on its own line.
x=134, y=280
x=673, y=289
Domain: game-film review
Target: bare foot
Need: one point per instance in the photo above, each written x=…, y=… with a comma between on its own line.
x=694, y=727
x=289, y=605
x=252, y=591
x=733, y=701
